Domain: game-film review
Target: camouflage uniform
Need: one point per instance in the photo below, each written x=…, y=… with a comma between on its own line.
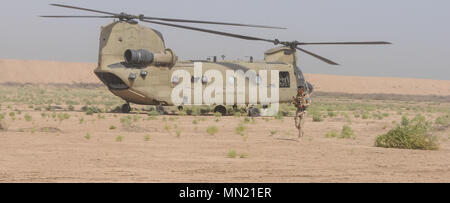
x=302, y=101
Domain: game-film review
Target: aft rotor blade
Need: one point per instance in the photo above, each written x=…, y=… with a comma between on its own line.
x=84, y=9
x=212, y=31
x=78, y=16
x=211, y=22
x=319, y=57
x=343, y=43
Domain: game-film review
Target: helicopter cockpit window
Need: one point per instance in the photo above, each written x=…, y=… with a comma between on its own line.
x=284, y=79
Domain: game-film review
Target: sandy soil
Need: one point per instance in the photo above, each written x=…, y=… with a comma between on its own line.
x=29, y=155
x=44, y=72
x=49, y=150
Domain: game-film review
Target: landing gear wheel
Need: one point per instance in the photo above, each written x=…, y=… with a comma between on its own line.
x=221, y=109
x=253, y=112
x=160, y=110
x=126, y=108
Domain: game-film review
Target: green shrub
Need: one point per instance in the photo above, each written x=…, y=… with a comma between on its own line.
x=317, y=118
x=411, y=134
x=331, y=134
x=90, y=110
x=365, y=115
x=70, y=107
x=273, y=132
x=279, y=115
x=28, y=118
x=119, y=138
x=112, y=127
x=443, y=120
x=63, y=116
x=125, y=121
x=240, y=129
x=243, y=155
x=332, y=114
x=347, y=132
x=3, y=126
x=232, y=154
x=212, y=130
x=217, y=114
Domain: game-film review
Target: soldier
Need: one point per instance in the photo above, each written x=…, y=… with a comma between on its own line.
x=301, y=101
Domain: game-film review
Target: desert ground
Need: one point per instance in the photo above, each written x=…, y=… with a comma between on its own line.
x=47, y=136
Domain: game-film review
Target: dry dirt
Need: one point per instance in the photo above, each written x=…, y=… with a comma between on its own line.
x=45, y=149
x=49, y=150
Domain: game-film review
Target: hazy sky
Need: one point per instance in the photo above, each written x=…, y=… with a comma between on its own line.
x=419, y=29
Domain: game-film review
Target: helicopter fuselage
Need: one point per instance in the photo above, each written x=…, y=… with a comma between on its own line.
x=153, y=83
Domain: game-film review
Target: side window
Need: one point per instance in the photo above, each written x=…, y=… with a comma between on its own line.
x=284, y=79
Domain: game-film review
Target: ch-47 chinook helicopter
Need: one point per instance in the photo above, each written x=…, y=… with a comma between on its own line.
x=137, y=67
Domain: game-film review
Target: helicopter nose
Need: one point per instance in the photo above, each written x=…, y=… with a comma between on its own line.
x=111, y=80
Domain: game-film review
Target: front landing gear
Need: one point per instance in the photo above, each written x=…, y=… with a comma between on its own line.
x=126, y=108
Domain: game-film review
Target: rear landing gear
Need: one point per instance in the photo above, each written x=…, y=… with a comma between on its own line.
x=221, y=109
x=253, y=112
x=126, y=108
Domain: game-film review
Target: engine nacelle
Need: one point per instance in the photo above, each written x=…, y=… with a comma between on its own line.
x=144, y=57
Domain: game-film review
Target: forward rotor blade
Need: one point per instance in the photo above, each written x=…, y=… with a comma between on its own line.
x=319, y=57
x=78, y=16
x=171, y=19
x=343, y=43
x=211, y=22
x=84, y=9
x=211, y=31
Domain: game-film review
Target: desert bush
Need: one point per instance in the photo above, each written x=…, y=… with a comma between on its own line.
x=153, y=113
x=243, y=155
x=232, y=154
x=119, y=138
x=279, y=115
x=347, y=132
x=112, y=127
x=125, y=121
x=167, y=127
x=212, y=130
x=90, y=110
x=332, y=114
x=63, y=116
x=365, y=115
x=410, y=134
x=273, y=132
x=331, y=134
x=217, y=115
x=240, y=129
x=146, y=137
x=87, y=136
x=27, y=117
x=317, y=117
x=443, y=120
x=178, y=132
x=3, y=126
